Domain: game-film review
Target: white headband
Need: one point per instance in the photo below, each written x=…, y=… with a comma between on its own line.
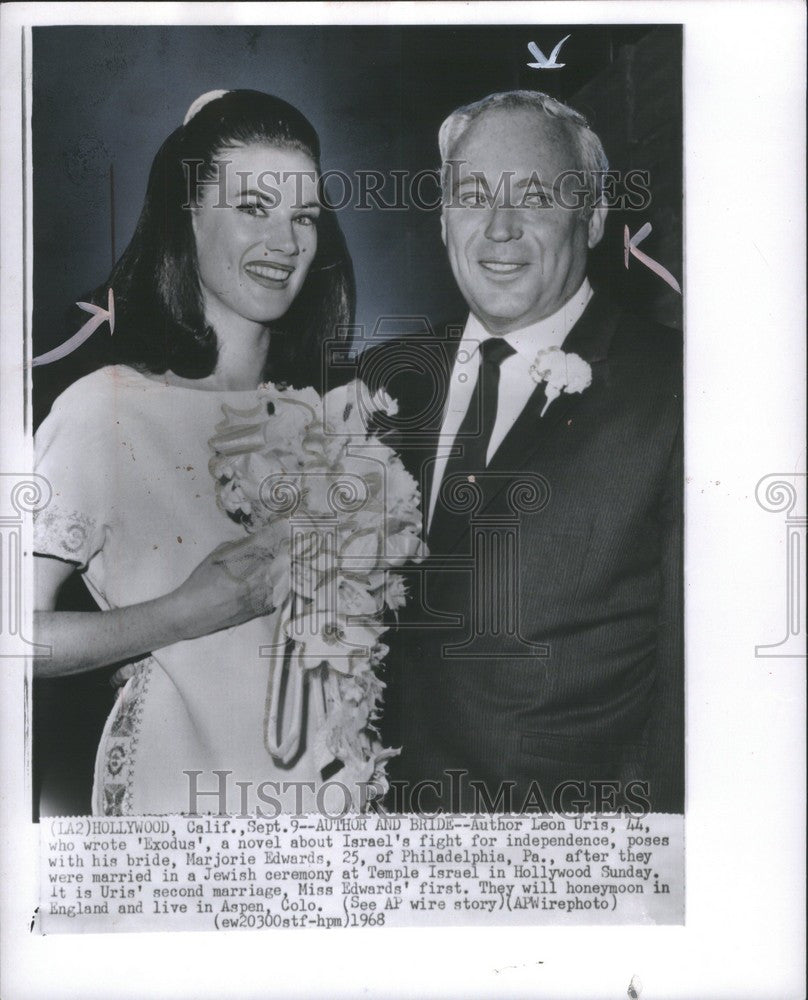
x=200, y=103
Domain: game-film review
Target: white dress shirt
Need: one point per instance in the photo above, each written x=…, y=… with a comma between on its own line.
x=516, y=384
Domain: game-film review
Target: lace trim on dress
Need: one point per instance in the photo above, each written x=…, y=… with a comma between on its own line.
x=119, y=744
x=63, y=533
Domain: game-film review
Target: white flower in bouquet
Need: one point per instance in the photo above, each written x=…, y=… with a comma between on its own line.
x=331, y=638
x=354, y=598
x=395, y=592
x=382, y=402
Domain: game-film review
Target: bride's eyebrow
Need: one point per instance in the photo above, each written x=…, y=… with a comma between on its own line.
x=270, y=197
x=246, y=192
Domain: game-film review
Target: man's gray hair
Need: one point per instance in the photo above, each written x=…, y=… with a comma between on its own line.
x=590, y=153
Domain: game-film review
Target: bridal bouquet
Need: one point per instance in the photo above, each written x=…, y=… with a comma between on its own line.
x=339, y=514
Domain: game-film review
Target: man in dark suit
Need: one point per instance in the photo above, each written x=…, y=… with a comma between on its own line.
x=540, y=663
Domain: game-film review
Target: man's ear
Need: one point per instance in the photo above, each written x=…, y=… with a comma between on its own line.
x=596, y=225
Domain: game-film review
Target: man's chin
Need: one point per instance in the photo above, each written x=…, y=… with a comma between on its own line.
x=501, y=314
x=498, y=319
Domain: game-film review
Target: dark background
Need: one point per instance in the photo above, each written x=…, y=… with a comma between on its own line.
x=104, y=99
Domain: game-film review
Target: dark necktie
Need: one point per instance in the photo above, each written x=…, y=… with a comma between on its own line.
x=473, y=438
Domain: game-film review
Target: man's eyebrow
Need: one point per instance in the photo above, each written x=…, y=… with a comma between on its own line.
x=532, y=183
x=474, y=179
x=537, y=184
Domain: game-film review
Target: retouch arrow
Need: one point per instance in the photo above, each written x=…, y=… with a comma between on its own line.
x=630, y=249
x=99, y=316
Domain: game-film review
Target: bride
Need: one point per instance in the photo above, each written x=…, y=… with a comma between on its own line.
x=234, y=277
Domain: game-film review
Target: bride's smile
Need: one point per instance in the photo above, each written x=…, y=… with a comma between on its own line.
x=269, y=275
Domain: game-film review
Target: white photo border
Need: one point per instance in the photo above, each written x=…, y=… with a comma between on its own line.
x=744, y=87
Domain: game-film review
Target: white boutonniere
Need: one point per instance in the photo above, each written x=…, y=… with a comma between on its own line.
x=562, y=372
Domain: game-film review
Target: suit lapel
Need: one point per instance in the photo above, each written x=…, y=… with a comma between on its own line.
x=590, y=338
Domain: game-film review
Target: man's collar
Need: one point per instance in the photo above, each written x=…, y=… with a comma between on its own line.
x=548, y=332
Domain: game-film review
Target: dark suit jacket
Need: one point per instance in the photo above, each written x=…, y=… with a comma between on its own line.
x=542, y=644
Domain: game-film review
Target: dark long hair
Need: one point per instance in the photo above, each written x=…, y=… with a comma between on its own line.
x=159, y=319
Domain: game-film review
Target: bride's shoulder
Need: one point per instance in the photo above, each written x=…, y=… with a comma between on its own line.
x=93, y=395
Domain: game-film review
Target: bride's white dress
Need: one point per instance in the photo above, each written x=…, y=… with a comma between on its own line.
x=134, y=507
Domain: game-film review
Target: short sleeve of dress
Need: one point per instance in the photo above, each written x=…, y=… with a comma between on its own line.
x=71, y=451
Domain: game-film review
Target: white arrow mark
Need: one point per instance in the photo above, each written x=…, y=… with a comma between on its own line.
x=542, y=62
x=630, y=249
x=99, y=316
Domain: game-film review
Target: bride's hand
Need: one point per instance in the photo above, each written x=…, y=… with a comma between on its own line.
x=233, y=584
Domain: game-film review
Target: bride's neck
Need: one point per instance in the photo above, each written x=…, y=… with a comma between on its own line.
x=240, y=363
